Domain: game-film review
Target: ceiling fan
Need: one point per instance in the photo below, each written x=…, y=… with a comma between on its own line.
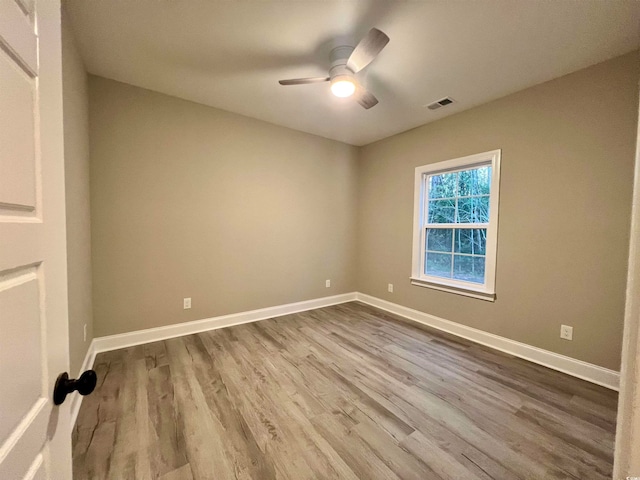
x=345, y=63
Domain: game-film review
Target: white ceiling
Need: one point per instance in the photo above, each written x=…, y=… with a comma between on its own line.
x=231, y=54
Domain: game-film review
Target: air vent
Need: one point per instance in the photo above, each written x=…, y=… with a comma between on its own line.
x=443, y=102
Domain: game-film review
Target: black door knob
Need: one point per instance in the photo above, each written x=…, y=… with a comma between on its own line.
x=64, y=385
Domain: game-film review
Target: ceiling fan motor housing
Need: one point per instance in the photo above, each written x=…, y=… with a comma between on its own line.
x=339, y=57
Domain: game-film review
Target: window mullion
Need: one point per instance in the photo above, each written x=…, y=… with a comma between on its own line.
x=453, y=248
x=455, y=221
x=468, y=226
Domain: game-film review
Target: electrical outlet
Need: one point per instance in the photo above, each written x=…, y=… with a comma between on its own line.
x=84, y=332
x=566, y=332
x=327, y=283
x=390, y=288
x=186, y=303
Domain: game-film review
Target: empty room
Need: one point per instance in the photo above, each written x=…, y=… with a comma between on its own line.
x=304, y=239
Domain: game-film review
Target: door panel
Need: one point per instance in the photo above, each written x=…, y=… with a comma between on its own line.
x=19, y=298
x=18, y=34
x=27, y=446
x=35, y=440
x=17, y=137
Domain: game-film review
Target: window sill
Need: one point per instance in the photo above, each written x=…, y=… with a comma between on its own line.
x=468, y=292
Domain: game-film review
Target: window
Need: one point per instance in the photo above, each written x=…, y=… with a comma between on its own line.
x=456, y=225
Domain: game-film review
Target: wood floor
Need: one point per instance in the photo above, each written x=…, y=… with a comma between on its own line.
x=344, y=392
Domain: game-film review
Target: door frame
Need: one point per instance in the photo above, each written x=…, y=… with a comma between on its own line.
x=627, y=447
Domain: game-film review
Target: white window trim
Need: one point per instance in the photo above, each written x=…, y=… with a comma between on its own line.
x=486, y=291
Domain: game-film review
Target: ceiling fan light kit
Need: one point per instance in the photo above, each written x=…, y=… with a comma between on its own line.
x=342, y=86
x=345, y=63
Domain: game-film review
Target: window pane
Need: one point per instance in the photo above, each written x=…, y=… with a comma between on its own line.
x=471, y=240
x=473, y=210
x=465, y=182
x=441, y=211
x=482, y=183
x=468, y=269
x=465, y=210
x=443, y=185
x=439, y=239
x=438, y=264
x=481, y=209
x=478, y=265
x=476, y=181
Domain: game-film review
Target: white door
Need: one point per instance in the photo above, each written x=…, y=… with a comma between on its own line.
x=35, y=439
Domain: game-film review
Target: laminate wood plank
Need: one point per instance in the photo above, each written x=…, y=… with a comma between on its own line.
x=155, y=354
x=239, y=444
x=132, y=425
x=165, y=422
x=294, y=426
x=529, y=442
x=572, y=430
x=606, y=416
x=523, y=437
x=344, y=392
x=466, y=395
x=266, y=419
x=365, y=402
x=355, y=452
x=491, y=417
x=182, y=473
x=399, y=461
x=560, y=399
x=95, y=436
x=427, y=412
x=444, y=464
x=541, y=445
x=203, y=432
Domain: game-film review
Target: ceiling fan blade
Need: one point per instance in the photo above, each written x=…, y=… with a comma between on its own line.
x=368, y=49
x=365, y=98
x=303, y=81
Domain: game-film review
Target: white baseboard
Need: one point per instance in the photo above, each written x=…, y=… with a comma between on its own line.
x=577, y=368
x=138, y=337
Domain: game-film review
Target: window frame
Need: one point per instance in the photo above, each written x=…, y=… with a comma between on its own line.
x=485, y=291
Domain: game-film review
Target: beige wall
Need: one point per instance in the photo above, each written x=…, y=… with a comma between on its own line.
x=76, y=153
x=566, y=182
x=191, y=201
